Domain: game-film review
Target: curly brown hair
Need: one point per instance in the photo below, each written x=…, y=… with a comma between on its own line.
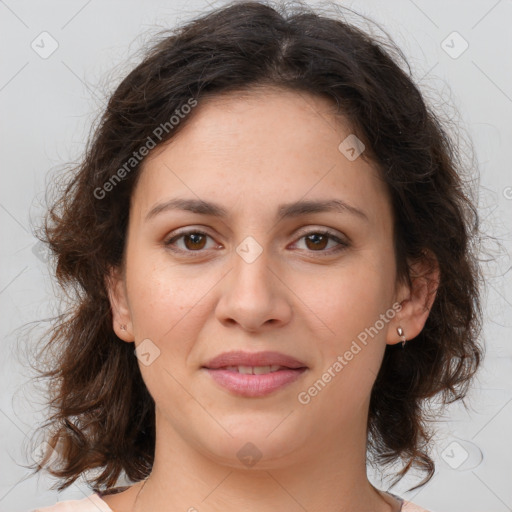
x=102, y=413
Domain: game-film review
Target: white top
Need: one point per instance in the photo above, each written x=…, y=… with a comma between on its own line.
x=94, y=503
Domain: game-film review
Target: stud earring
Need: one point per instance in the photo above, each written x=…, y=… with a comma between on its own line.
x=123, y=327
x=400, y=332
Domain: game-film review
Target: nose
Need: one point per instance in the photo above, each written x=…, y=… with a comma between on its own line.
x=254, y=296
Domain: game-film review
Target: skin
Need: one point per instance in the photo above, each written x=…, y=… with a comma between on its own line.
x=251, y=153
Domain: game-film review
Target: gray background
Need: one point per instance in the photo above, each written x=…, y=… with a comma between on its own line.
x=48, y=105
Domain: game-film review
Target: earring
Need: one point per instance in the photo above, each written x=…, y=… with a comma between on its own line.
x=123, y=327
x=400, y=332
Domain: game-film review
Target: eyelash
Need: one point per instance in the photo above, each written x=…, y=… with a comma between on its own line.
x=341, y=244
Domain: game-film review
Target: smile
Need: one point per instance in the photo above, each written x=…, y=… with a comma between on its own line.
x=254, y=381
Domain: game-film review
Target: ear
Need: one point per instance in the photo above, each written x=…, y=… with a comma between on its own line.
x=416, y=299
x=121, y=316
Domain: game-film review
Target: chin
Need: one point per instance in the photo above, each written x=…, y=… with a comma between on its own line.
x=258, y=446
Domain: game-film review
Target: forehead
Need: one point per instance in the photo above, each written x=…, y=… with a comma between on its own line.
x=270, y=145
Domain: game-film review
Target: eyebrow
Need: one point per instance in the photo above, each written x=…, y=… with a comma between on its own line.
x=288, y=210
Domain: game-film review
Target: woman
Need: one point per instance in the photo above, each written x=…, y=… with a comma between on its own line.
x=272, y=249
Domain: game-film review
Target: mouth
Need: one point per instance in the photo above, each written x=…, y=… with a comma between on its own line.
x=254, y=385
x=254, y=362
x=254, y=375
x=255, y=370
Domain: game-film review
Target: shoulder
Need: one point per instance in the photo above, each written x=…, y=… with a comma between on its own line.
x=408, y=506
x=404, y=505
x=92, y=503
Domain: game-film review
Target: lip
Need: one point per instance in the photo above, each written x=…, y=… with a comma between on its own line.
x=241, y=358
x=253, y=386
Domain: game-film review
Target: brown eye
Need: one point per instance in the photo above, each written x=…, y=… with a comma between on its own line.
x=192, y=241
x=197, y=241
x=316, y=241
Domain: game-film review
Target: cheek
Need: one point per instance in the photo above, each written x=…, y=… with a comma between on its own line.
x=166, y=309
x=352, y=297
x=161, y=296
x=352, y=347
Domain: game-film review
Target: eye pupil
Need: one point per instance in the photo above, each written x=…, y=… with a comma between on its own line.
x=316, y=236
x=195, y=237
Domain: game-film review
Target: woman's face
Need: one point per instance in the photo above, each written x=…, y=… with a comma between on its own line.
x=256, y=280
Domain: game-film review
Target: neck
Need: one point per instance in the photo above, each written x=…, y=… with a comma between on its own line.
x=327, y=475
